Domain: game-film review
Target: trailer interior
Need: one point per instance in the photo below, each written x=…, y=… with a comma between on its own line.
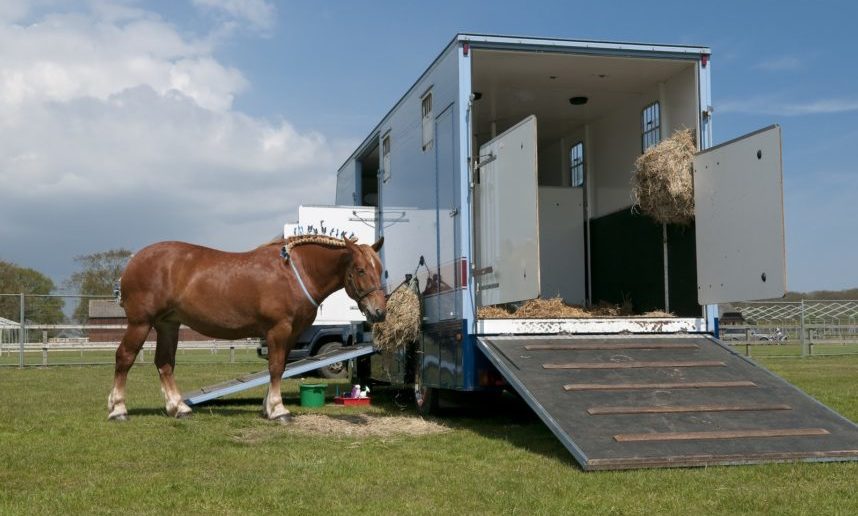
x=594, y=116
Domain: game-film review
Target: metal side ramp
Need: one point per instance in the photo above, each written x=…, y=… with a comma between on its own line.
x=622, y=402
x=261, y=378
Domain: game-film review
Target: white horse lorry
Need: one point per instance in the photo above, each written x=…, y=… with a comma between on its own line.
x=503, y=175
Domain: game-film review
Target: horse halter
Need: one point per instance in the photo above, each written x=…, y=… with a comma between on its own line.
x=361, y=294
x=285, y=254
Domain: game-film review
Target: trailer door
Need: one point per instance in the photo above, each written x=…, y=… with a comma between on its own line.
x=738, y=198
x=507, y=263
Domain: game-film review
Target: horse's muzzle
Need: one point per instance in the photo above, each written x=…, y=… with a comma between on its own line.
x=376, y=315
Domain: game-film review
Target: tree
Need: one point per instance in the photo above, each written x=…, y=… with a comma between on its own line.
x=17, y=280
x=97, y=275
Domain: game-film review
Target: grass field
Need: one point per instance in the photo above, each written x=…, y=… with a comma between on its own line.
x=58, y=454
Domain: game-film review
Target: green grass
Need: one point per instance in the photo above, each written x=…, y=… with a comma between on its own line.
x=58, y=454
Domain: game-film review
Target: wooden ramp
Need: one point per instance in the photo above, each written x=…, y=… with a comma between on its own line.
x=621, y=402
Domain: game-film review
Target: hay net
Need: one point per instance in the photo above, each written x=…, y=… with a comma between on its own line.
x=401, y=325
x=662, y=184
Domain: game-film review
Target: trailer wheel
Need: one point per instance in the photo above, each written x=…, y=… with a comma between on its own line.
x=337, y=370
x=426, y=400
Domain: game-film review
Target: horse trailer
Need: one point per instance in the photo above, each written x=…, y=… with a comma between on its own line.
x=503, y=175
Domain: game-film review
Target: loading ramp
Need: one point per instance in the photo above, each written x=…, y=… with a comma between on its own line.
x=643, y=401
x=261, y=378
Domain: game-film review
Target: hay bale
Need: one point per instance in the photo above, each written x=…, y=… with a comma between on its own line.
x=556, y=308
x=494, y=312
x=662, y=184
x=401, y=326
x=658, y=313
x=553, y=308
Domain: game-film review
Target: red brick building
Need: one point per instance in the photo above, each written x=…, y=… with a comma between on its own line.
x=106, y=312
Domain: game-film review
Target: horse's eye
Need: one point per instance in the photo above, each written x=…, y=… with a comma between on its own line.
x=361, y=272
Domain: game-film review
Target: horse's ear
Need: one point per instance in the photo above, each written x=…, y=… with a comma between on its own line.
x=376, y=246
x=350, y=245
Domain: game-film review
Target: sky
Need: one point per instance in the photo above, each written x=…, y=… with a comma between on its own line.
x=124, y=123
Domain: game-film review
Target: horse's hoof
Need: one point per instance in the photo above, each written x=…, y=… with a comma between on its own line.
x=117, y=417
x=184, y=415
x=285, y=419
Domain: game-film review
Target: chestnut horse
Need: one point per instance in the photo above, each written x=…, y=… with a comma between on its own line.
x=271, y=292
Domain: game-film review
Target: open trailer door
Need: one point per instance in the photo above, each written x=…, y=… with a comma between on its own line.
x=739, y=210
x=507, y=266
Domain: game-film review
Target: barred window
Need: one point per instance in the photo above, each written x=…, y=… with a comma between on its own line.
x=385, y=157
x=427, y=122
x=576, y=165
x=650, y=126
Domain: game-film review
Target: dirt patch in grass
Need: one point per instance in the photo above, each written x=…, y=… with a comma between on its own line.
x=341, y=425
x=364, y=425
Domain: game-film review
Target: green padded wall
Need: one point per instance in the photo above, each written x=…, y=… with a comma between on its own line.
x=627, y=262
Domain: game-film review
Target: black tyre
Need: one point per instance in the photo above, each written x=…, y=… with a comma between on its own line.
x=337, y=370
x=426, y=400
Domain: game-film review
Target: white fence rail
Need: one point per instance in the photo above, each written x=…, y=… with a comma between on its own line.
x=35, y=330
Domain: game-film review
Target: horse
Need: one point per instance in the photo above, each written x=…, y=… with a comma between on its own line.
x=273, y=291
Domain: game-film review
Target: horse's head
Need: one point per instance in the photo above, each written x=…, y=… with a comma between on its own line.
x=363, y=279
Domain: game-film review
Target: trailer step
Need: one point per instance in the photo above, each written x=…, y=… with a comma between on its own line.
x=635, y=365
x=632, y=401
x=730, y=434
x=261, y=378
x=654, y=386
x=601, y=411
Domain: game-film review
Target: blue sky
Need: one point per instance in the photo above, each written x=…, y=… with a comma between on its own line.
x=210, y=120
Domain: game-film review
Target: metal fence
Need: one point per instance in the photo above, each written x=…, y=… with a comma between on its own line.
x=41, y=331
x=795, y=328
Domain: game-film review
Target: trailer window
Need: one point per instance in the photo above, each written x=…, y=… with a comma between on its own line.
x=426, y=113
x=576, y=165
x=385, y=157
x=650, y=126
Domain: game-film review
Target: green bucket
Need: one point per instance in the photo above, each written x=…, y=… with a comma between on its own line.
x=313, y=394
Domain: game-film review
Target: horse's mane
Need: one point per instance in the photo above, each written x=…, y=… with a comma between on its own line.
x=297, y=240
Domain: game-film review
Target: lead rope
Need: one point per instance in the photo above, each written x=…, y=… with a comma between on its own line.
x=285, y=254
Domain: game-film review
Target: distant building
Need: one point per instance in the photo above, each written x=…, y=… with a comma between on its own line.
x=106, y=312
x=8, y=331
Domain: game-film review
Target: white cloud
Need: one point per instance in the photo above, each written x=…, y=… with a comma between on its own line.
x=118, y=130
x=781, y=64
x=781, y=107
x=67, y=56
x=258, y=13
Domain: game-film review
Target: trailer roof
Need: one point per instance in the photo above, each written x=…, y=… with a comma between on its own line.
x=525, y=43
x=558, y=44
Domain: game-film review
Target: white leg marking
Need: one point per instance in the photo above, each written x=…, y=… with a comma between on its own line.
x=176, y=407
x=116, y=404
x=274, y=405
